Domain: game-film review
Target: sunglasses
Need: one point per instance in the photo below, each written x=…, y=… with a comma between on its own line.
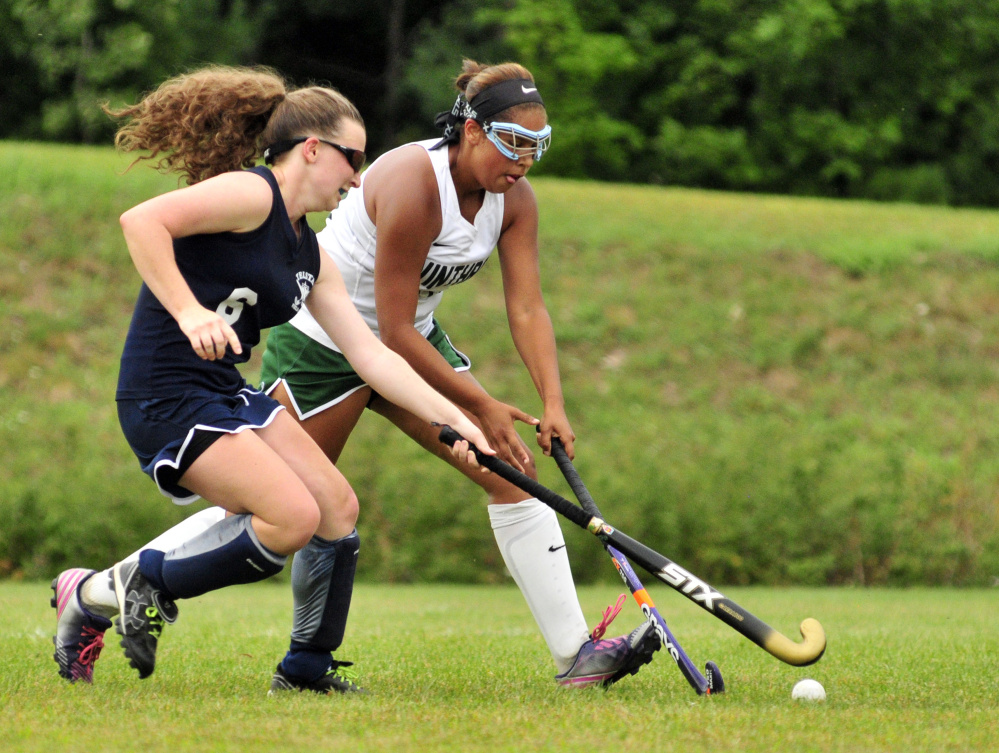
x=355, y=157
x=514, y=141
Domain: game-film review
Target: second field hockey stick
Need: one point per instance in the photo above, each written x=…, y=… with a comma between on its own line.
x=711, y=681
x=813, y=643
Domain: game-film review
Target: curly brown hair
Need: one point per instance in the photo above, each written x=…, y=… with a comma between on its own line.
x=217, y=119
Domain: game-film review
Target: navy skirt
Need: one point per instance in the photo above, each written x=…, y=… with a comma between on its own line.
x=168, y=433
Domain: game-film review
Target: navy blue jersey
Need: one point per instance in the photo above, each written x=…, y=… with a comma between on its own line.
x=254, y=280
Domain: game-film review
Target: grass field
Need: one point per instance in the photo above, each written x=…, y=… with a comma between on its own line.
x=462, y=668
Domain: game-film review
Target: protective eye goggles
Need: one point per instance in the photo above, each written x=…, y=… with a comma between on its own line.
x=514, y=141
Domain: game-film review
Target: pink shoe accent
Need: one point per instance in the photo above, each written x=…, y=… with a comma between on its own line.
x=609, y=614
x=584, y=682
x=66, y=587
x=83, y=667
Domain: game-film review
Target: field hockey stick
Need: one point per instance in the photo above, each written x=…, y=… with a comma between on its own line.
x=711, y=681
x=813, y=643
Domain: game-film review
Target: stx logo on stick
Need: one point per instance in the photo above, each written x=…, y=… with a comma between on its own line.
x=686, y=583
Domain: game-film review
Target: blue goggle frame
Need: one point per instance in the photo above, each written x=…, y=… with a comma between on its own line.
x=505, y=137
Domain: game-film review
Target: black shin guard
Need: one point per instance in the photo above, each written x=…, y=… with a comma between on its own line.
x=322, y=579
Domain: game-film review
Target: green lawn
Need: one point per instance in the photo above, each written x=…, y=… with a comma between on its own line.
x=464, y=669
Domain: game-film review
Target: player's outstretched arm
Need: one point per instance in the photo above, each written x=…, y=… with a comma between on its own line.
x=387, y=372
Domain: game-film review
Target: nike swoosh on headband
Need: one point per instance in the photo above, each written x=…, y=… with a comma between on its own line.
x=526, y=90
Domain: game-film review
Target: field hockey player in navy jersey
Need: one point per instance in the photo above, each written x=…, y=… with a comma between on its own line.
x=221, y=260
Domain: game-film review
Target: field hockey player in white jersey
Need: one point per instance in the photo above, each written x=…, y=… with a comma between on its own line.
x=427, y=216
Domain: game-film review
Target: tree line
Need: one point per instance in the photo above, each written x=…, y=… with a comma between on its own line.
x=881, y=99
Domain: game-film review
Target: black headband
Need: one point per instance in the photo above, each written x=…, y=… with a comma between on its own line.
x=503, y=96
x=484, y=105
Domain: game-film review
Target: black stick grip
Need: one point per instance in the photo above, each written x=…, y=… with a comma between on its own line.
x=507, y=472
x=573, y=478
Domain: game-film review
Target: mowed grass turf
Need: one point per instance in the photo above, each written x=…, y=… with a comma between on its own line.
x=463, y=668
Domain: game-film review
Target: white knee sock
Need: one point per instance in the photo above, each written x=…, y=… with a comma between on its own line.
x=531, y=542
x=98, y=595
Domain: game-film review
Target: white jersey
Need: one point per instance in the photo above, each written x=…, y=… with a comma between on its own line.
x=455, y=255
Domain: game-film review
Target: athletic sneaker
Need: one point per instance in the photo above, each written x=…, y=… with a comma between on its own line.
x=604, y=662
x=79, y=634
x=338, y=679
x=143, y=609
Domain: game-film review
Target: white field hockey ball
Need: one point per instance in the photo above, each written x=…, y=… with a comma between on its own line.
x=808, y=690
